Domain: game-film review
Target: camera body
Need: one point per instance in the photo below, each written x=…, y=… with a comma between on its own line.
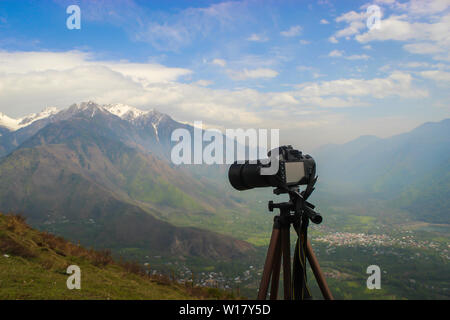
x=294, y=169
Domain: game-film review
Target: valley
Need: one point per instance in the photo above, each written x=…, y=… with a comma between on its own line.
x=102, y=176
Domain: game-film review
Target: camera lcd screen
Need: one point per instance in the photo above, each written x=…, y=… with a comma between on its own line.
x=295, y=171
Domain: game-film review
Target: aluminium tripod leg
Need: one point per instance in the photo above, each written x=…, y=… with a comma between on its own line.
x=268, y=265
x=321, y=281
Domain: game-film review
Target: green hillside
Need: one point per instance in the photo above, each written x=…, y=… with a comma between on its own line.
x=33, y=265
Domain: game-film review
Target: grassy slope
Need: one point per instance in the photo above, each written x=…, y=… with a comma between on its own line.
x=33, y=266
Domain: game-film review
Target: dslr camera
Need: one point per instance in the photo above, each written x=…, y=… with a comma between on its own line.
x=294, y=169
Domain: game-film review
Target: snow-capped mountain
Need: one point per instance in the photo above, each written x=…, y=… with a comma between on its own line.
x=137, y=117
x=15, y=124
x=47, y=112
x=8, y=123
x=149, y=130
x=123, y=111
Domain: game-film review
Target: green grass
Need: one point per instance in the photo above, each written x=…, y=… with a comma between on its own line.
x=24, y=279
x=33, y=265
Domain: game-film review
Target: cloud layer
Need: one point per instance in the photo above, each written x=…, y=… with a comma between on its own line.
x=66, y=77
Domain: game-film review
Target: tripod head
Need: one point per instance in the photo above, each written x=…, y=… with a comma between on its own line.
x=297, y=203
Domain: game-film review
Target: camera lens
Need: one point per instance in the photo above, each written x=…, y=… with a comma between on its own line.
x=247, y=176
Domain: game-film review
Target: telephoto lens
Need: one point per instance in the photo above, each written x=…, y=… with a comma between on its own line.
x=246, y=176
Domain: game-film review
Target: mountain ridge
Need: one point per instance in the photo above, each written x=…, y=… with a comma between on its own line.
x=87, y=163
x=143, y=130
x=123, y=111
x=410, y=169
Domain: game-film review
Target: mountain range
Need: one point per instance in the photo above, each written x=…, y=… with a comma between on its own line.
x=100, y=174
x=146, y=130
x=411, y=170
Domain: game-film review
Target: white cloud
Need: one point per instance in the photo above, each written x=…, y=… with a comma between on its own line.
x=304, y=42
x=292, y=31
x=318, y=75
x=333, y=39
x=422, y=48
x=331, y=102
x=357, y=57
x=26, y=62
x=219, y=62
x=396, y=84
x=440, y=77
x=394, y=28
x=340, y=54
x=258, y=38
x=385, y=1
x=203, y=83
x=422, y=64
x=252, y=74
x=427, y=7
x=305, y=68
x=424, y=38
x=350, y=16
x=423, y=26
x=415, y=64
x=314, y=72
x=324, y=21
x=354, y=21
x=336, y=53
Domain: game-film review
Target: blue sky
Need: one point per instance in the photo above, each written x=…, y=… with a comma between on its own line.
x=310, y=68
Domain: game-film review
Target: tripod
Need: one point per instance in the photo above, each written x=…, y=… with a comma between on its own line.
x=279, y=247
